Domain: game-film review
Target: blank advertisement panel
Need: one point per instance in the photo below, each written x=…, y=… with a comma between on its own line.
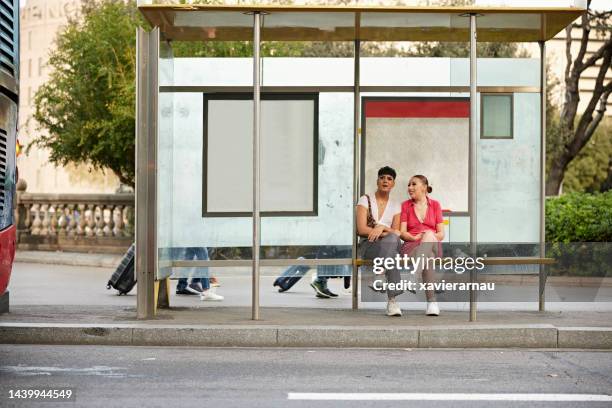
x=289, y=140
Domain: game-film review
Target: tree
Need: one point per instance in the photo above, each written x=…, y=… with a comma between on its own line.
x=87, y=105
x=462, y=50
x=589, y=170
x=575, y=131
x=607, y=184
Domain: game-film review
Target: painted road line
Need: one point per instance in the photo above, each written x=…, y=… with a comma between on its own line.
x=398, y=396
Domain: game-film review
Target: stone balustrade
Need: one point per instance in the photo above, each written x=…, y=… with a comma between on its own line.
x=74, y=222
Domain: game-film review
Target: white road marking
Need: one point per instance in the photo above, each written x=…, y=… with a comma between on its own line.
x=396, y=396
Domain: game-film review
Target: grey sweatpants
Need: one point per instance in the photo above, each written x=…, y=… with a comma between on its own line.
x=386, y=247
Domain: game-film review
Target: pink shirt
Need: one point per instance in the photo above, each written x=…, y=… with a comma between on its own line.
x=433, y=217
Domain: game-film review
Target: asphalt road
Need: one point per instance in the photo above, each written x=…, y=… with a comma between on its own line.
x=209, y=377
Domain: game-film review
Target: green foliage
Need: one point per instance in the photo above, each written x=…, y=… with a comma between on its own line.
x=285, y=49
x=87, y=105
x=462, y=50
x=579, y=259
x=579, y=217
x=588, y=171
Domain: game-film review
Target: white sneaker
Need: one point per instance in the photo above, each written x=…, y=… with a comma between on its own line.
x=432, y=309
x=210, y=295
x=393, y=308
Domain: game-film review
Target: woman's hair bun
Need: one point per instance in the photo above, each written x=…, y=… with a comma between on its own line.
x=429, y=189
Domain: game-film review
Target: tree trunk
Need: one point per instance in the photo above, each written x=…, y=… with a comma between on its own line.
x=554, y=178
x=607, y=184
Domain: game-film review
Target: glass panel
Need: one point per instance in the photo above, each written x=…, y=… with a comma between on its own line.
x=508, y=188
x=494, y=27
x=405, y=20
x=328, y=233
x=515, y=3
x=325, y=235
x=413, y=71
x=531, y=3
x=207, y=25
x=458, y=229
x=507, y=169
x=190, y=228
x=496, y=116
x=329, y=23
x=308, y=26
x=165, y=160
x=291, y=287
x=184, y=235
x=211, y=19
x=508, y=177
x=403, y=26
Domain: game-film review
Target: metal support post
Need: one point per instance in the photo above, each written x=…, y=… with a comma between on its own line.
x=542, y=274
x=356, y=168
x=147, y=45
x=473, y=159
x=256, y=166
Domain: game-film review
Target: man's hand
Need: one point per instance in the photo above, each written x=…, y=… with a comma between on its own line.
x=376, y=233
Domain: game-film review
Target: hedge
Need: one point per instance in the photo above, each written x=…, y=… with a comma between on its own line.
x=579, y=217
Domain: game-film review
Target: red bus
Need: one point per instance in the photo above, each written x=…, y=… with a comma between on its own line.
x=9, y=100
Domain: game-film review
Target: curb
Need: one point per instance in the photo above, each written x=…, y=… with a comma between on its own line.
x=523, y=336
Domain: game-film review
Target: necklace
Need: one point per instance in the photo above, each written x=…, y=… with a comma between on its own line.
x=420, y=210
x=421, y=204
x=381, y=206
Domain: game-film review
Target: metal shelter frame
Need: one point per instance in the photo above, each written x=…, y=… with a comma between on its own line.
x=151, y=291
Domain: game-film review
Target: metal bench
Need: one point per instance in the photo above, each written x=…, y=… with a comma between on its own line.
x=473, y=277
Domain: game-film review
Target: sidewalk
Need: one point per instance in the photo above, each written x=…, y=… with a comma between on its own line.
x=59, y=304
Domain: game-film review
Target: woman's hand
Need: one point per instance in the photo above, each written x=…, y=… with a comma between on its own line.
x=440, y=232
x=376, y=233
x=416, y=237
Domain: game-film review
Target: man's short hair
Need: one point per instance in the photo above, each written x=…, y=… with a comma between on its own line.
x=387, y=171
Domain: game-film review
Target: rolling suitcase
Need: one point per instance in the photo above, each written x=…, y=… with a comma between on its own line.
x=290, y=277
x=123, y=279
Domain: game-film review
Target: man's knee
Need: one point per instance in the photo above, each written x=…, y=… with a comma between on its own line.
x=391, y=244
x=391, y=238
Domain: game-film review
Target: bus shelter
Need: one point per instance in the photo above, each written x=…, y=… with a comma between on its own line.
x=256, y=180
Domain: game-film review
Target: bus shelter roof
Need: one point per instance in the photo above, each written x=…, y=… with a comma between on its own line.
x=199, y=22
